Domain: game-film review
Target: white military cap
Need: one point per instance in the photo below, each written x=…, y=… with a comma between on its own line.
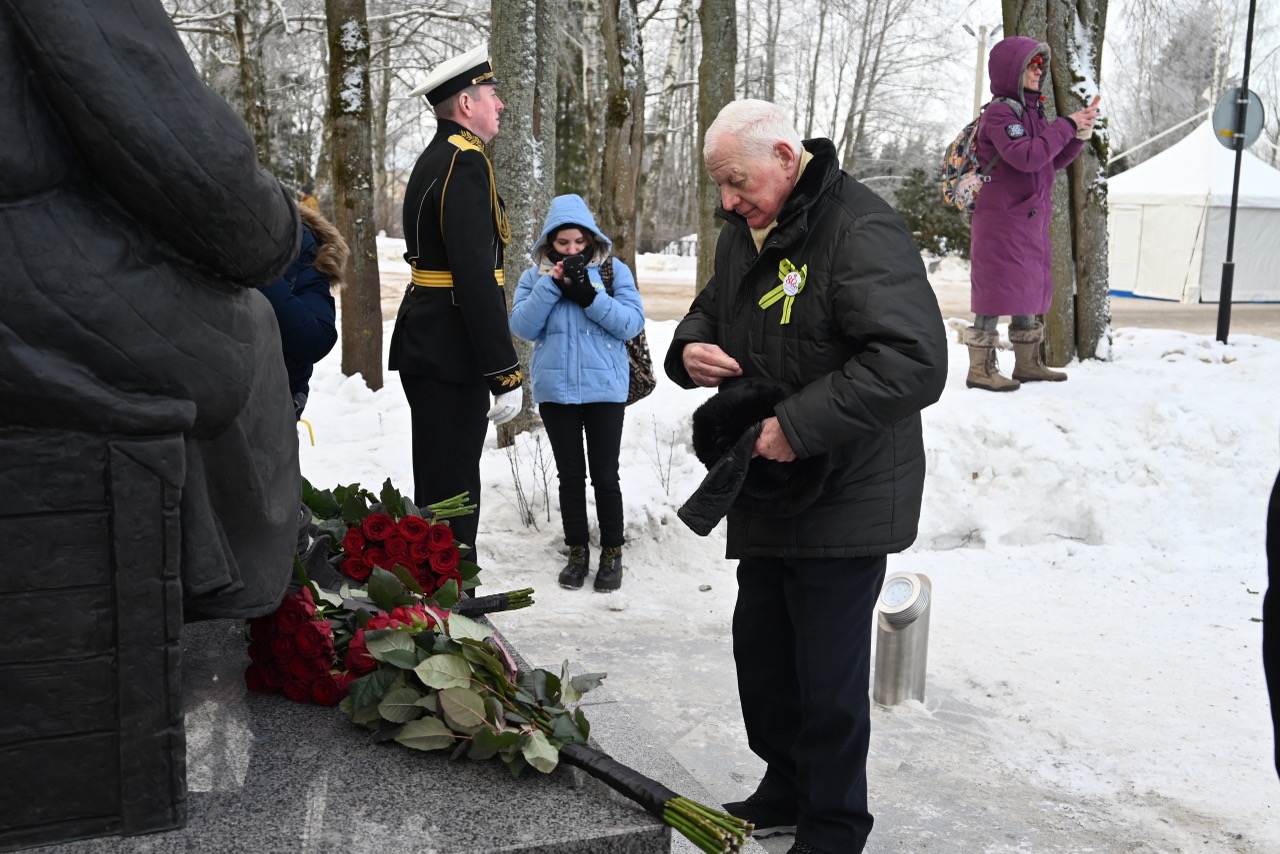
x=453, y=75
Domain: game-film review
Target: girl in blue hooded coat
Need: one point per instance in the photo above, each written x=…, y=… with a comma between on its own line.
x=580, y=374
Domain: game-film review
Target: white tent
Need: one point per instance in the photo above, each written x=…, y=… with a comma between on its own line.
x=1169, y=219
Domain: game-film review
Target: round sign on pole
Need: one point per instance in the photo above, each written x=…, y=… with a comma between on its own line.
x=1224, y=118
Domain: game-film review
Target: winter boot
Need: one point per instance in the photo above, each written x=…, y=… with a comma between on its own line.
x=984, y=370
x=575, y=571
x=1029, y=366
x=609, y=575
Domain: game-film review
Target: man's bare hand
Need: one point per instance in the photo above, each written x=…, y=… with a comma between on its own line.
x=708, y=365
x=773, y=444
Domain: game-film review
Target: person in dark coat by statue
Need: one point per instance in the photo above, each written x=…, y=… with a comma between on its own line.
x=135, y=227
x=1010, y=250
x=820, y=290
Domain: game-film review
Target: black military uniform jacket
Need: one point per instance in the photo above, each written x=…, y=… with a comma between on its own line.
x=452, y=323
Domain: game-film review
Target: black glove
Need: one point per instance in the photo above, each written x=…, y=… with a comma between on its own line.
x=574, y=282
x=719, y=490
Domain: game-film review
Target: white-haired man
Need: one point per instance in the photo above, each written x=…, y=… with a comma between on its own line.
x=451, y=342
x=819, y=285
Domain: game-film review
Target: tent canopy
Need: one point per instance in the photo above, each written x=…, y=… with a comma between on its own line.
x=1168, y=222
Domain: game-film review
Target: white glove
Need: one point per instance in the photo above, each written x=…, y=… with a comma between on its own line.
x=506, y=405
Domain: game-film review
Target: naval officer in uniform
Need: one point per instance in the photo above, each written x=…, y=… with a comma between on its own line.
x=451, y=343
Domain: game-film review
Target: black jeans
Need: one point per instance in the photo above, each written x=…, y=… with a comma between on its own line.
x=802, y=645
x=449, y=426
x=602, y=423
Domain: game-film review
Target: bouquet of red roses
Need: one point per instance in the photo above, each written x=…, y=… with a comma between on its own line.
x=388, y=531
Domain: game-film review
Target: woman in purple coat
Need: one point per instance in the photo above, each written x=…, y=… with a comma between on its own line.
x=1010, y=248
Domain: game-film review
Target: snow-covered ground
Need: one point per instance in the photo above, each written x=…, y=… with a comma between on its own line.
x=1096, y=554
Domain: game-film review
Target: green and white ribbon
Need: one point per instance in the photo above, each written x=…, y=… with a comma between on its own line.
x=793, y=280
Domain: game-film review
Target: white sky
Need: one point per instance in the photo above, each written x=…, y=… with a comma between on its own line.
x=1096, y=549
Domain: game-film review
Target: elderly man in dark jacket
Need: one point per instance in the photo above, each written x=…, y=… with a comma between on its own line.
x=818, y=285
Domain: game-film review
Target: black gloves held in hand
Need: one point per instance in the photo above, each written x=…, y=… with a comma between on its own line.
x=574, y=283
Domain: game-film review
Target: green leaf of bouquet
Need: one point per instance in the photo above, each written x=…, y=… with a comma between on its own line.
x=569, y=695
x=468, y=570
x=335, y=528
x=515, y=763
x=515, y=718
x=477, y=653
x=444, y=671
x=486, y=744
x=394, y=646
x=535, y=682
x=369, y=690
x=565, y=730
x=354, y=509
x=587, y=681
x=447, y=595
x=465, y=627
x=383, y=588
x=367, y=716
x=406, y=578
x=321, y=501
x=426, y=734
x=539, y=752
x=584, y=725
x=392, y=500
x=462, y=709
x=428, y=702
x=401, y=705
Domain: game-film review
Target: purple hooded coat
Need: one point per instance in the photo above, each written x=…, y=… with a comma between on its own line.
x=1010, y=249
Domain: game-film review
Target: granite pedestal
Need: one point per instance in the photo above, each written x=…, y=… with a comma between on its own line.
x=268, y=775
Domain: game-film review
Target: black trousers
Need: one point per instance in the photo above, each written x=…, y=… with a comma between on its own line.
x=601, y=423
x=802, y=645
x=449, y=426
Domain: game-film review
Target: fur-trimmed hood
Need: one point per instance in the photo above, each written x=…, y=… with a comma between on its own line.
x=332, y=252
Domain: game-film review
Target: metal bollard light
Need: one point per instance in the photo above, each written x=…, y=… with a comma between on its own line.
x=902, y=638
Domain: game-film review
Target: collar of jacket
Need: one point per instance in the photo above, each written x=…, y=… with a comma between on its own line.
x=446, y=128
x=823, y=171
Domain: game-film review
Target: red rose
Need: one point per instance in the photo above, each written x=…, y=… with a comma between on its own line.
x=314, y=641
x=440, y=537
x=358, y=660
x=420, y=552
x=422, y=575
x=297, y=690
x=409, y=615
x=377, y=557
x=328, y=690
x=306, y=669
x=282, y=648
x=444, y=562
x=357, y=568
x=452, y=575
x=275, y=677
x=289, y=617
x=353, y=543
x=262, y=628
x=415, y=529
x=396, y=547
x=378, y=526
x=260, y=652
x=258, y=680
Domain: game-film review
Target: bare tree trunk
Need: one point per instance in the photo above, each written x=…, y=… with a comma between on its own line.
x=813, y=68
x=1088, y=193
x=349, y=116
x=623, y=125
x=525, y=52
x=386, y=213
x=773, y=23
x=662, y=116
x=253, y=98
x=719, y=25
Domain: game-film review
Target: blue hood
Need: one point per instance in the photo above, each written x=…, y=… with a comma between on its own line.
x=570, y=210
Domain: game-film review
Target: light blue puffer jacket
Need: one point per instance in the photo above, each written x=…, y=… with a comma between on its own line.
x=578, y=354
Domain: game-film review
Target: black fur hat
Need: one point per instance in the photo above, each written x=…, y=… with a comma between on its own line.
x=771, y=487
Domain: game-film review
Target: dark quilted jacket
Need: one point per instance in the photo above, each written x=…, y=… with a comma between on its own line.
x=865, y=345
